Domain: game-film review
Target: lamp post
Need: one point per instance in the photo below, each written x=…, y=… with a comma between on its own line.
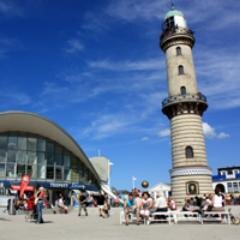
x=133, y=181
x=109, y=174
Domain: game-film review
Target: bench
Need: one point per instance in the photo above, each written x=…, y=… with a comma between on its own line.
x=217, y=216
x=188, y=216
x=161, y=217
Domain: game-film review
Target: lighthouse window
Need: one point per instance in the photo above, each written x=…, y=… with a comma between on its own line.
x=178, y=51
x=189, y=152
x=183, y=90
x=169, y=23
x=180, y=70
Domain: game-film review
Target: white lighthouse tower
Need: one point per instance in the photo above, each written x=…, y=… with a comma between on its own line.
x=184, y=106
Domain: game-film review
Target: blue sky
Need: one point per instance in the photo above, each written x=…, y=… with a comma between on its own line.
x=95, y=68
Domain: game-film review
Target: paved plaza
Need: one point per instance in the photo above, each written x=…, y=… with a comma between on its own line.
x=72, y=227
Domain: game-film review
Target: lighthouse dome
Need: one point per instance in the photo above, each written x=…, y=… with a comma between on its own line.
x=174, y=18
x=172, y=13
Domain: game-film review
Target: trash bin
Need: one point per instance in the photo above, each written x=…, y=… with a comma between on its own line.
x=11, y=206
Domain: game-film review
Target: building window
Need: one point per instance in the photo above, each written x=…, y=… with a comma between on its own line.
x=223, y=173
x=3, y=156
x=20, y=170
x=2, y=170
x=58, y=173
x=10, y=170
x=22, y=143
x=11, y=157
x=3, y=142
x=236, y=172
x=178, y=51
x=32, y=144
x=41, y=158
x=169, y=23
x=12, y=142
x=183, y=91
x=180, y=70
x=50, y=172
x=189, y=152
x=235, y=186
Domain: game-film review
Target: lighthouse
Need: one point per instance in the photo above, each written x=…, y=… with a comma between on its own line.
x=184, y=107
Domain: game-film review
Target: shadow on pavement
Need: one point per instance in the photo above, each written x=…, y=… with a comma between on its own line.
x=4, y=219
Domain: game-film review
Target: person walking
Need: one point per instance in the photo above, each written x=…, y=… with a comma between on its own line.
x=61, y=204
x=39, y=201
x=82, y=198
x=129, y=207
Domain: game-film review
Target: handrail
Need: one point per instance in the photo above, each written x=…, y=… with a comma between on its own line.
x=184, y=98
x=176, y=31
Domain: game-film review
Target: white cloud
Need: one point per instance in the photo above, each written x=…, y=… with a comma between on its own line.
x=144, y=139
x=131, y=10
x=210, y=132
x=219, y=13
x=219, y=73
x=106, y=126
x=95, y=22
x=14, y=98
x=223, y=135
x=144, y=65
x=74, y=46
x=164, y=133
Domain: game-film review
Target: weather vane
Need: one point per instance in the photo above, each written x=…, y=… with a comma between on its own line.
x=172, y=4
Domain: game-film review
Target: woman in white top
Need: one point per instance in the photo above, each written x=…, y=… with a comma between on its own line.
x=218, y=201
x=147, y=204
x=161, y=203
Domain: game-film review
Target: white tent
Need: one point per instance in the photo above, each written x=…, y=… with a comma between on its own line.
x=160, y=188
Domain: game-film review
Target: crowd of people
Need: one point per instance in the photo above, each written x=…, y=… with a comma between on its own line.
x=101, y=201
x=142, y=205
x=209, y=202
x=32, y=202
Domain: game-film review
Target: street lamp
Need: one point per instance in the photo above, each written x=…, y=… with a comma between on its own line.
x=134, y=179
x=109, y=173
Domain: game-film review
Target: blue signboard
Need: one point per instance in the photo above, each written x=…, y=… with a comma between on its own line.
x=51, y=185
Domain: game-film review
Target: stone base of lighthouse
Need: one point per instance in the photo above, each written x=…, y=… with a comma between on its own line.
x=190, y=182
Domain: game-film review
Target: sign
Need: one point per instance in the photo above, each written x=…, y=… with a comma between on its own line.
x=15, y=185
x=58, y=185
x=77, y=186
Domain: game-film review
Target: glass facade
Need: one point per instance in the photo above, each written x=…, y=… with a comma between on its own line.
x=41, y=158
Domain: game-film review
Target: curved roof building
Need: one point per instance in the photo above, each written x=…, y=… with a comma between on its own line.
x=33, y=145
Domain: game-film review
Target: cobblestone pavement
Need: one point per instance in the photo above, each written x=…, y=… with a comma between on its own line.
x=71, y=227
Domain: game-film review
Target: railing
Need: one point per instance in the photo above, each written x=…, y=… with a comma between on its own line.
x=176, y=31
x=224, y=177
x=218, y=177
x=184, y=98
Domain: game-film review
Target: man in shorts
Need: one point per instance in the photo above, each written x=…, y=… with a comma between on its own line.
x=82, y=198
x=129, y=207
